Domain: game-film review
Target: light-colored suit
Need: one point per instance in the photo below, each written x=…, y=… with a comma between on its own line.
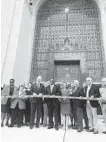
x=6, y=92
x=21, y=101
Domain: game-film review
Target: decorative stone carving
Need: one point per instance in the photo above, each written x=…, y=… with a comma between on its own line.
x=78, y=36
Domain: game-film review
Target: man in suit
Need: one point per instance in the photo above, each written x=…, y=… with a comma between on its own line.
x=92, y=91
x=84, y=109
x=78, y=105
x=53, y=104
x=36, y=103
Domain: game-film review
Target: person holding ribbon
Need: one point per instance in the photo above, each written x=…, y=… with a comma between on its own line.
x=103, y=100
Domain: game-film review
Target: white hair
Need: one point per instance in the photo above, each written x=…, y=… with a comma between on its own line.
x=39, y=78
x=76, y=81
x=89, y=78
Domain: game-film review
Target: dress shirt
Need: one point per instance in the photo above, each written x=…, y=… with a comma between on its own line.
x=51, y=88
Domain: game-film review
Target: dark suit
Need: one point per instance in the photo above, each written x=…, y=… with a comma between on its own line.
x=84, y=110
x=36, y=104
x=53, y=104
x=78, y=105
x=94, y=91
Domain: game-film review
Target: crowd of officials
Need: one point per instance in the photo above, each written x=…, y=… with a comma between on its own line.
x=52, y=112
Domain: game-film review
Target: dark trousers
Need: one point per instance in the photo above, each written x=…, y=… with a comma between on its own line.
x=17, y=116
x=85, y=115
x=53, y=108
x=79, y=112
x=27, y=112
x=35, y=107
x=42, y=114
x=73, y=112
x=59, y=113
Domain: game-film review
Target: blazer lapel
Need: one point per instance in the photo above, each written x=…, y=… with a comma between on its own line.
x=90, y=88
x=53, y=89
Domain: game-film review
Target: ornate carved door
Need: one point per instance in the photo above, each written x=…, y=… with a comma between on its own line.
x=78, y=23
x=67, y=71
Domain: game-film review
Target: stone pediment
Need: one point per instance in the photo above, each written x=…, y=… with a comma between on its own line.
x=66, y=46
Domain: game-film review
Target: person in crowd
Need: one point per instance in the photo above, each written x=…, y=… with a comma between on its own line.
x=73, y=108
x=84, y=109
x=77, y=92
x=3, y=107
x=59, y=107
x=8, y=90
x=65, y=106
x=103, y=100
x=27, y=110
x=18, y=106
x=92, y=91
x=53, y=104
x=73, y=117
x=45, y=122
x=36, y=103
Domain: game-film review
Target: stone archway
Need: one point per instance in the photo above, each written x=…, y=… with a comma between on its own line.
x=97, y=54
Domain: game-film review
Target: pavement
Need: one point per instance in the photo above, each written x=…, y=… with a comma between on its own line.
x=24, y=134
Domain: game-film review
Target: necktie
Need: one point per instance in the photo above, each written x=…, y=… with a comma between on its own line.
x=87, y=94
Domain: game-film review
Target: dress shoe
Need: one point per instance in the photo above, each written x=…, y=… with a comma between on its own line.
x=50, y=127
x=104, y=132
x=56, y=128
x=31, y=127
x=37, y=126
x=19, y=126
x=2, y=125
x=79, y=130
x=95, y=132
x=86, y=127
x=90, y=130
x=74, y=127
x=11, y=125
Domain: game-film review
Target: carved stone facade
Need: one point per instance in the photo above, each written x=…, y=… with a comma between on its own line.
x=74, y=34
x=50, y=32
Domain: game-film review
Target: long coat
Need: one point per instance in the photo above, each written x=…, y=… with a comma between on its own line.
x=21, y=102
x=6, y=92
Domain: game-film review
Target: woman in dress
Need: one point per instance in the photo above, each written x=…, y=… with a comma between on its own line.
x=65, y=106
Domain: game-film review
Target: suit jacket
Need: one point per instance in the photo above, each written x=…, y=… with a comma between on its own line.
x=78, y=93
x=6, y=92
x=21, y=102
x=94, y=91
x=37, y=90
x=55, y=91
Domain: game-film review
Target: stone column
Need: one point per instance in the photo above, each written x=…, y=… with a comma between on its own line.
x=8, y=66
x=102, y=5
